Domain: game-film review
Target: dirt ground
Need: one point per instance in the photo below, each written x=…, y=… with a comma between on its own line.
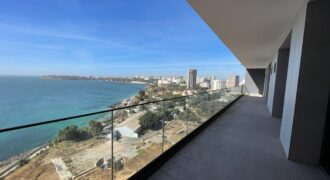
x=97, y=174
x=37, y=168
x=82, y=156
x=130, y=166
x=42, y=168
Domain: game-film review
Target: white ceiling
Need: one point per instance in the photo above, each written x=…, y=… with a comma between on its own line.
x=252, y=29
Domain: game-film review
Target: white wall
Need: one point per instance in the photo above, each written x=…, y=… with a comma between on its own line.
x=292, y=79
x=271, y=87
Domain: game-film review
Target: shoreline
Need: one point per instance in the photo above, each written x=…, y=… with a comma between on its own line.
x=11, y=163
x=124, y=80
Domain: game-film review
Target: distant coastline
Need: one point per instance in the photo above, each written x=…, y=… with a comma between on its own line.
x=97, y=97
x=10, y=164
x=107, y=79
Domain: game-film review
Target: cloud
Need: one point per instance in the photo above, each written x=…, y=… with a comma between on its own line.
x=32, y=45
x=174, y=63
x=58, y=34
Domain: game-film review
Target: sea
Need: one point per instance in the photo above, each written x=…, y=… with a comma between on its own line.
x=26, y=100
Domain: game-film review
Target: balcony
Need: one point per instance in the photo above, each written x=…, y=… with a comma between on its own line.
x=117, y=143
x=243, y=143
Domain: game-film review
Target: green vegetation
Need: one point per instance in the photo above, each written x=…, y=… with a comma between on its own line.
x=168, y=115
x=201, y=89
x=117, y=135
x=122, y=114
x=72, y=133
x=141, y=97
x=199, y=106
x=175, y=87
x=176, y=111
x=169, y=95
x=95, y=128
x=100, y=163
x=216, y=95
x=181, y=101
x=118, y=165
x=188, y=115
x=149, y=120
x=209, y=108
x=22, y=162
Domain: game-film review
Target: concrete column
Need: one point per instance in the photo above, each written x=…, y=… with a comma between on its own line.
x=266, y=87
x=254, y=81
x=308, y=82
x=271, y=84
x=281, y=68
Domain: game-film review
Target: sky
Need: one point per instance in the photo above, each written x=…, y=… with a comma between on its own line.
x=109, y=38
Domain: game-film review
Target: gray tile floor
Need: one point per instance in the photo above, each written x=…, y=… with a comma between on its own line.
x=242, y=144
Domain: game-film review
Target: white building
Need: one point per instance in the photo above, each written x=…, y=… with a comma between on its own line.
x=218, y=84
x=233, y=81
x=162, y=82
x=205, y=84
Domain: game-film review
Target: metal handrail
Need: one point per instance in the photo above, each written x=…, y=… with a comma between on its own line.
x=100, y=112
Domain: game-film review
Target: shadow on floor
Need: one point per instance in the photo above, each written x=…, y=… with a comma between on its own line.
x=242, y=144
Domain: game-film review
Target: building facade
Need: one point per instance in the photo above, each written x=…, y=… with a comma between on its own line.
x=285, y=49
x=192, y=78
x=233, y=81
x=218, y=84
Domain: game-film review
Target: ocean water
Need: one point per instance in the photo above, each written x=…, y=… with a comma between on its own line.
x=25, y=100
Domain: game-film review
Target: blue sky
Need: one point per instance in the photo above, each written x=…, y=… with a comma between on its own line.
x=109, y=38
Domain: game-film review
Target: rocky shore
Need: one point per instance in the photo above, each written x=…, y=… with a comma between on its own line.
x=7, y=164
x=14, y=159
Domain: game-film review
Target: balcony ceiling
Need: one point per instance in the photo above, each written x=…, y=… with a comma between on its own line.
x=252, y=29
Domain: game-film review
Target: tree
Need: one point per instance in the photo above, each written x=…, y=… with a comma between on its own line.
x=181, y=101
x=72, y=133
x=117, y=135
x=170, y=104
x=168, y=115
x=176, y=111
x=148, y=120
x=188, y=115
x=209, y=108
x=118, y=165
x=22, y=162
x=141, y=95
x=95, y=128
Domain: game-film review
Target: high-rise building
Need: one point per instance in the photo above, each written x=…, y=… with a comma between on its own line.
x=192, y=77
x=222, y=84
x=215, y=84
x=218, y=84
x=233, y=81
x=212, y=78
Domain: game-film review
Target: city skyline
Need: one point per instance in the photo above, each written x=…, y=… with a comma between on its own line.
x=144, y=76
x=109, y=38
